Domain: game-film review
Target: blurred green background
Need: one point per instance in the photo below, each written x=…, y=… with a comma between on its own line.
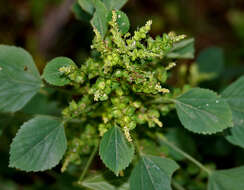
x=49, y=28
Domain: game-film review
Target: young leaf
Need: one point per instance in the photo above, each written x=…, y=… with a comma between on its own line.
x=114, y=4
x=153, y=173
x=99, y=20
x=115, y=151
x=230, y=179
x=234, y=95
x=19, y=78
x=202, y=111
x=99, y=182
x=52, y=74
x=183, y=50
x=87, y=6
x=211, y=60
x=122, y=21
x=39, y=144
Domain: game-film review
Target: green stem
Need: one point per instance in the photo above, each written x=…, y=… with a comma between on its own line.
x=138, y=148
x=177, y=186
x=193, y=160
x=88, y=163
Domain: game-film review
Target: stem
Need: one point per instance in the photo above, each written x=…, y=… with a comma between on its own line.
x=177, y=186
x=193, y=160
x=88, y=163
x=137, y=146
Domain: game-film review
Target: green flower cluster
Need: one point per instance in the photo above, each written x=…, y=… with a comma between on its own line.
x=118, y=84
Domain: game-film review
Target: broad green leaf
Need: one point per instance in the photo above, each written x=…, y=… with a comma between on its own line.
x=114, y=4
x=234, y=95
x=115, y=151
x=87, y=5
x=230, y=179
x=39, y=144
x=153, y=173
x=98, y=182
x=203, y=111
x=99, y=20
x=122, y=21
x=183, y=50
x=52, y=74
x=79, y=13
x=19, y=78
x=211, y=60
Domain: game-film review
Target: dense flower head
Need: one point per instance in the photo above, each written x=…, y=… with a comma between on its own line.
x=128, y=71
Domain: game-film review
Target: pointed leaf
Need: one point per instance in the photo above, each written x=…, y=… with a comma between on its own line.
x=183, y=49
x=114, y=4
x=52, y=74
x=231, y=179
x=99, y=182
x=39, y=144
x=99, y=20
x=153, y=173
x=202, y=111
x=234, y=95
x=115, y=151
x=19, y=78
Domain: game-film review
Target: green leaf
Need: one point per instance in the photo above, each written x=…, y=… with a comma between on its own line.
x=122, y=21
x=19, y=78
x=211, y=60
x=87, y=5
x=99, y=20
x=183, y=50
x=40, y=104
x=230, y=179
x=115, y=151
x=52, y=74
x=153, y=173
x=99, y=182
x=202, y=111
x=114, y=4
x=39, y=144
x=234, y=95
x=80, y=14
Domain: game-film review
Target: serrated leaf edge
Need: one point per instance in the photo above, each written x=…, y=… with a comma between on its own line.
x=19, y=130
